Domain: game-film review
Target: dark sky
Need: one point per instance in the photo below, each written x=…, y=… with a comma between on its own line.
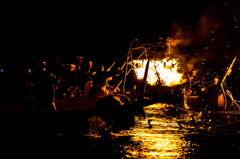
x=96, y=30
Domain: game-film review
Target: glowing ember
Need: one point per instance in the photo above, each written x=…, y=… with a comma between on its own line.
x=159, y=71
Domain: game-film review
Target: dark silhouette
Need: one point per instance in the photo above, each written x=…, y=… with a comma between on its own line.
x=70, y=84
x=79, y=63
x=27, y=95
x=44, y=84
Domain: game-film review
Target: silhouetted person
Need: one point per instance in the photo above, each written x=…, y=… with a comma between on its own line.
x=196, y=83
x=79, y=64
x=27, y=94
x=85, y=75
x=70, y=82
x=56, y=66
x=213, y=91
x=88, y=68
x=44, y=84
x=57, y=69
x=83, y=78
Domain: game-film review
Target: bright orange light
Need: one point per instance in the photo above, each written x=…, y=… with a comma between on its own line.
x=165, y=70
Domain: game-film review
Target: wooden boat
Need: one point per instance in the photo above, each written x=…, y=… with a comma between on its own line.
x=77, y=111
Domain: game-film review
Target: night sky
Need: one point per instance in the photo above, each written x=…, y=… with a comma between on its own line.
x=101, y=31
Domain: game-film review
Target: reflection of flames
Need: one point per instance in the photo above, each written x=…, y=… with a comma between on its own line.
x=163, y=140
x=165, y=70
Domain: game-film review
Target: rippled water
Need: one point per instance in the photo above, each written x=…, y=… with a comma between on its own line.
x=91, y=137
x=163, y=138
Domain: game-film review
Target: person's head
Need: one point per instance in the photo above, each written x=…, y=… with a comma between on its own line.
x=72, y=67
x=215, y=81
x=79, y=59
x=90, y=64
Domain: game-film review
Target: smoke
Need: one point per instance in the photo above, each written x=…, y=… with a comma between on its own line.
x=213, y=33
x=192, y=36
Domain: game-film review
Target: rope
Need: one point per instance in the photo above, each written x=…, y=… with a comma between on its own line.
x=233, y=101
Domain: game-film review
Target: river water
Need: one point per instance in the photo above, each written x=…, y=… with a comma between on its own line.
x=162, y=138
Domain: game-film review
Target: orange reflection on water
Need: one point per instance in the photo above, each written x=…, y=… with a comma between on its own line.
x=163, y=140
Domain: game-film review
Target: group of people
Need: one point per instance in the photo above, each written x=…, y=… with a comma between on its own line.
x=43, y=82
x=72, y=77
x=205, y=89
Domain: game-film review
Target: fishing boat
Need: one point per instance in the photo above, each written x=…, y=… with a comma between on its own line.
x=150, y=80
x=141, y=91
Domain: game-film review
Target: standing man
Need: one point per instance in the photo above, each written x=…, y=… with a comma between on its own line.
x=89, y=69
x=79, y=63
x=44, y=84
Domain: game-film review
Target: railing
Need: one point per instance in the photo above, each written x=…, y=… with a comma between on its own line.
x=129, y=55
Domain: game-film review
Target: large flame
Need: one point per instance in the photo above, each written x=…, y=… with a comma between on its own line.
x=165, y=71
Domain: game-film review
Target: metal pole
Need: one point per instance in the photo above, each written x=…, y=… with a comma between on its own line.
x=229, y=69
x=125, y=76
x=131, y=68
x=145, y=79
x=125, y=54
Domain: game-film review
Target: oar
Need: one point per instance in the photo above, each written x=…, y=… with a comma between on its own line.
x=229, y=69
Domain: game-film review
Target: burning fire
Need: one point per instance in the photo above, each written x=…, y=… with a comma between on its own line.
x=165, y=71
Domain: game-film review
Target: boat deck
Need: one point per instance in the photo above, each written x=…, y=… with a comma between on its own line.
x=62, y=105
